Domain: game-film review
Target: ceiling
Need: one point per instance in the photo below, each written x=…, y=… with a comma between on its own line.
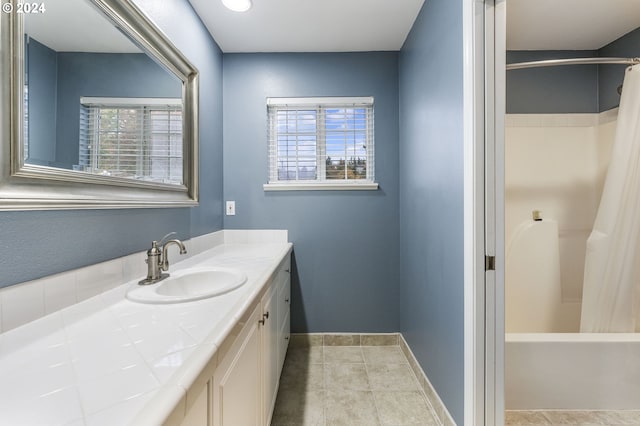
x=76, y=26
x=345, y=25
x=569, y=24
x=361, y=25
x=310, y=25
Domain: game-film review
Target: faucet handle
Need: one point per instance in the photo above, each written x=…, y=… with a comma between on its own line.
x=154, y=248
x=163, y=239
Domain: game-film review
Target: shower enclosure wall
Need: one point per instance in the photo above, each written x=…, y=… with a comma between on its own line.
x=556, y=164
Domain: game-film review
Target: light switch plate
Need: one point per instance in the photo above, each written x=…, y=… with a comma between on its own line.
x=231, y=208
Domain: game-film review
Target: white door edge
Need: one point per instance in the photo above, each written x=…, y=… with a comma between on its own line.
x=500, y=53
x=474, y=16
x=484, y=81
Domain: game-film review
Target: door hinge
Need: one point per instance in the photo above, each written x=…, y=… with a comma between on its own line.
x=489, y=263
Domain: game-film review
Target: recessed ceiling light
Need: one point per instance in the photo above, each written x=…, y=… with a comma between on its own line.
x=237, y=5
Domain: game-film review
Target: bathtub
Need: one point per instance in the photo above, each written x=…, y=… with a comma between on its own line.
x=548, y=364
x=572, y=371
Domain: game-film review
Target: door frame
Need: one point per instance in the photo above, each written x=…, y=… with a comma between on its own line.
x=495, y=199
x=484, y=35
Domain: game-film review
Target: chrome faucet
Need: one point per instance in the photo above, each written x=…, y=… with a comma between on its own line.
x=158, y=259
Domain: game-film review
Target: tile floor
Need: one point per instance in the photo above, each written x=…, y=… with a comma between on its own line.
x=349, y=385
x=572, y=418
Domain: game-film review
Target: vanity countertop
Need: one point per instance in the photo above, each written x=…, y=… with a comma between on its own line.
x=108, y=361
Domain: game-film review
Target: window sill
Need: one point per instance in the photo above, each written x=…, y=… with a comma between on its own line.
x=320, y=186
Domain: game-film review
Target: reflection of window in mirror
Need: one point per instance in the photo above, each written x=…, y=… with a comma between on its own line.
x=99, y=49
x=135, y=138
x=104, y=63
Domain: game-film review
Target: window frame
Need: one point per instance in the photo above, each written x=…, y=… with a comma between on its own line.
x=321, y=182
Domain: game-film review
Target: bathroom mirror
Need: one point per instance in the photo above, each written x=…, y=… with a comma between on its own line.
x=99, y=109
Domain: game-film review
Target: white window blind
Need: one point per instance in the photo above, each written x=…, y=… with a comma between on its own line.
x=132, y=138
x=321, y=140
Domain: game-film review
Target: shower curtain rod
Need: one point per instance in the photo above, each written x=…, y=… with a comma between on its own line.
x=572, y=61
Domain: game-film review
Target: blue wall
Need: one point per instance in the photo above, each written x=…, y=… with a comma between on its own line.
x=611, y=76
x=42, y=77
x=569, y=89
x=562, y=89
x=345, y=242
x=431, y=198
x=36, y=244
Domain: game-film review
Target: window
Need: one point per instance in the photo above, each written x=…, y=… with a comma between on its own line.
x=134, y=138
x=321, y=143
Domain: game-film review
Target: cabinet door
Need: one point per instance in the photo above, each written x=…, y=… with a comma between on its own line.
x=237, y=387
x=284, y=303
x=198, y=414
x=283, y=335
x=270, y=351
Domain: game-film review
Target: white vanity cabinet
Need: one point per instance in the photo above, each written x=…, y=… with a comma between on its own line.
x=245, y=383
x=284, y=307
x=237, y=393
x=276, y=334
x=270, y=352
x=198, y=414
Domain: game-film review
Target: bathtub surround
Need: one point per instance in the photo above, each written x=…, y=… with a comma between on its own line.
x=66, y=240
x=568, y=152
x=533, y=289
x=431, y=198
x=546, y=371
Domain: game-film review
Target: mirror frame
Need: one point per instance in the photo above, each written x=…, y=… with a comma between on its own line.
x=32, y=187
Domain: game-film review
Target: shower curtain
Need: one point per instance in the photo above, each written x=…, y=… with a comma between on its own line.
x=612, y=266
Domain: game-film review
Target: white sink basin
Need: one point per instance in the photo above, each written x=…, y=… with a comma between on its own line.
x=189, y=284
